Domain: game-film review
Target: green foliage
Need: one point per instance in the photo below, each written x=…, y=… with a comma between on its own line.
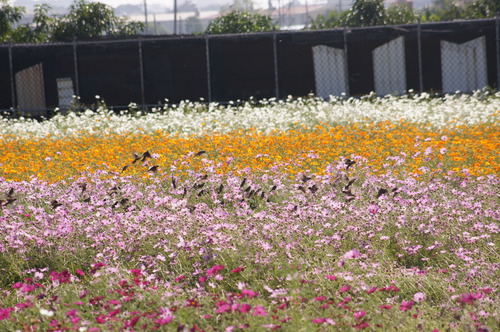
x=92, y=19
x=8, y=16
x=240, y=22
x=39, y=31
x=334, y=20
x=84, y=20
x=483, y=9
x=372, y=12
x=442, y=10
x=400, y=14
x=365, y=13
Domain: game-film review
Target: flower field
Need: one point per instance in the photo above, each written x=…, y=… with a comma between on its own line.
x=298, y=215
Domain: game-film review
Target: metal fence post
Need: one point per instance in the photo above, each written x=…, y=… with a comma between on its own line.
x=75, y=64
x=209, y=80
x=419, y=45
x=276, y=72
x=497, y=23
x=11, y=66
x=141, y=71
x=346, y=61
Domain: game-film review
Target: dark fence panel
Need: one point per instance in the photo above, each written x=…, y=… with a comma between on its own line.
x=111, y=71
x=5, y=80
x=175, y=69
x=242, y=66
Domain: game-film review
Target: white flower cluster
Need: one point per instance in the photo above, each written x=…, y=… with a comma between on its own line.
x=196, y=118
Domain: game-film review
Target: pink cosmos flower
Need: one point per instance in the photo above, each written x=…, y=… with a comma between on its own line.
x=5, y=313
x=319, y=320
x=165, y=320
x=419, y=297
x=406, y=305
x=361, y=326
x=371, y=290
x=245, y=308
x=359, y=314
x=17, y=285
x=354, y=253
x=225, y=307
x=180, y=278
x=469, y=298
x=345, y=288
x=215, y=269
x=249, y=293
x=238, y=269
x=259, y=311
x=330, y=277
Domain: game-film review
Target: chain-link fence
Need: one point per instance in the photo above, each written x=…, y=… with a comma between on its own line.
x=440, y=58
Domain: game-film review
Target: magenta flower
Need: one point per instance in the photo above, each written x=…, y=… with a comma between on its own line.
x=330, y=277
x=5, y=313
x=359, y=314
x=469, y=298
x=319, y=320
x=136, y=272
x=249, y=293
x=238, y=269
x=180, y=278
x=259, y=311
x=17, y=285
x=406, y=305
x=385, y=306
x=215, y=269
x=225, y=307
x=96, y=267
x=371, y=290
x=345, y=288
x=245, y=308
x=163, y=321
x=361, y=326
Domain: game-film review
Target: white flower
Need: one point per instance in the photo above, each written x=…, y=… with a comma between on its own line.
x=48, y=313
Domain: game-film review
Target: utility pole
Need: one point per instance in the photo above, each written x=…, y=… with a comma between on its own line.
x=175, y=17
x=146, y=16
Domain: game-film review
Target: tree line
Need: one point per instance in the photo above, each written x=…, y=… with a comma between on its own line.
x=84, y=20
x=373, y=13
x=94, y=19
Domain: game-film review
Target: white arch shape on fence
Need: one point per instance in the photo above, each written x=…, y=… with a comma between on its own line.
x=463, y=66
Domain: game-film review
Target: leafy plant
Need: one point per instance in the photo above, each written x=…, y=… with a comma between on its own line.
x=240, y=22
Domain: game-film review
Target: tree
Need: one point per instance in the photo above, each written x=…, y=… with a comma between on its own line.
x=38, y=31
x=84, y=20
x=365, y=13
x=8, y=17
x=442, y=10
x=92, y=19
x=482, y=9
x=400, y=14
x=334, y=20
x=240, y=22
